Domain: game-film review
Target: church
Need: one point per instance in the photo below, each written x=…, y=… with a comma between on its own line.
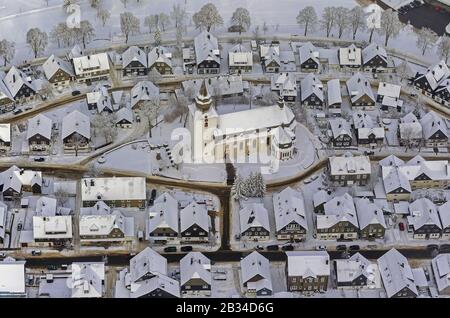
x=244, y=136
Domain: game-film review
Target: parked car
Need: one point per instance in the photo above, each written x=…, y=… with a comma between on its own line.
x=17, y=112
x=2, y=254
x=170, y=249
x=75, y=93
x=36, y=252
x=341, y=248
x=40, y=159
x=152, y=197
x=372, y=247
x=141, y=235
x=259, y=247
x=19, y=226
x=369, y=153
x=401, y=226
x=354, y=248
x=186, y=248
x=287, y=248
x=273, y=247
x=432, y=247
x=52, y=267
x=220, y=277
x=321, y=248
x=444, y=248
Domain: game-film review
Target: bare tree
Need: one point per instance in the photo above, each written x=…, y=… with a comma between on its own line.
x=164, y=21
x=103, y=15
x=95, y=3
x=7, y=51
x=356, y=20
x=125, y=2
x=342, y=19
x=129, y=24
x=241, y=18
x=426, y=38
x=85, y=32
x=307, y=18
x=150, y=111
x=178, y=15
x=328, y=19
x=265, y=28
x=157, y=37
x=444, y=47
x=46, y=90
x=62, y=196
x=37, y=40
x=390, y=25
x=68, y=3
x=178, y=108
x=151, y=22
x=208, y=17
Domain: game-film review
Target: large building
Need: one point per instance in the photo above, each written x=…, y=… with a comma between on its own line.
x=91, y=68
x=307, y=271
x=12, y=278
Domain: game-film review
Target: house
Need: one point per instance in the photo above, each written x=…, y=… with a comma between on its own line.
x=367, y=132
x=442, y=92
x=360, y=92
x=106, y=229
x=87, y=280
x=195, y=274
x=441, y=272
x=312, y=91
x=423, y=220
x=341, y=134
x=12, y=278
x=240, y=59
x=15, y=181
x=339, y=220
x=147, y=264
x=309, y=57
x=372, y=224
x=389, y=96
x=195, y=223
x=58, y=72
x=255, y=275
x=142, y=93
x=134, y=62
x=397, y=276
x=5, y=138
x=444, y=216
x=51, y=231
x=162, y=225
x=290, y=215
x=124, y=118
x=334, y=97
x=254, y=221
x=395, y=182
x=409, y=131
x=90, y=68
x=76, y=132
x=350, y=57
x=39, y=133
x=284, y=85
x=207, y=53
x=160, y=59
x=6, y=99
x=116, y=192
x=307, y=271
x=329, y=57
x=222, y=86
x=100, y=100
x=435, y=132
x=189, y=61
x=319, y=199
x=428, y=82
x=357, y=272
x=348, y=170
x=3, y=214
x=270, y=58
x=46, y=206
x=375, y=58
x=19, y=85
x=76, y=51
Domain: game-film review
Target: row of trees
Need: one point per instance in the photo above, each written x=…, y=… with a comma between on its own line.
x=251, y=187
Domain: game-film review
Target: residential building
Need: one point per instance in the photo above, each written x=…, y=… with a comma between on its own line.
x=367, y=131
x=222, y=86
x=134, y=62
x=3, y=215
x=319, y=199
x=312, y=92
x=442, y=92
x=14, y=181
x=240, y=59
x=388, y=95
x=51, y=231
x=423, y=220
x=195, y=274
x=12, y=278
x=409, y=131
x=444, y=216
x=290, y=215
x=307, y=271
x=207, y=53
x=348, y=170
x=6, y=99
x=285, y=86
x=144, y=92
x=341, y=134
x=255, y=275
x=334, y=97
x=395, y=182
x=441, y=272
x=429, y=81
x=160, y=59
x=19, y=85
x=39, y=133
x=124, y=118
x=100, y=100
x=254, y=221
x=5, y=138
x=90, y=68
x=163, y=225
x=372, y=224
x=357, y=272
x=375, y=58
x=435, y=132
x=270, y=58
x=195, y=223
x=360, y=92
x=350, y=57
x=76, y=132
x=309, y=57
x=58, y=72
x=88, y=280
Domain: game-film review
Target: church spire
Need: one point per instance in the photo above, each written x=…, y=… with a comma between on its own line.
x=280, y=102
x=203, y=99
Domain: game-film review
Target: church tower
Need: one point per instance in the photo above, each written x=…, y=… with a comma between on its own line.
x=203, y=101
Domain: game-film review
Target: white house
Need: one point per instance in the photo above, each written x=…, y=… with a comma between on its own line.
x=91, y=68
x=12, y=278
x=255, y=275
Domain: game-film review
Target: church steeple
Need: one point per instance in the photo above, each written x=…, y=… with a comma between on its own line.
x=280, y=102
x=203, y=101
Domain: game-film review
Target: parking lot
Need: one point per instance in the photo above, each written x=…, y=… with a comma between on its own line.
x=426, y=16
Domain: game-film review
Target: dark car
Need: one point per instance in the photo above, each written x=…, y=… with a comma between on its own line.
x=369, y=153
x=41, y=159
x=354, y=248
x=19, y=227
x=432, y=247
x=273, y=247
x=341, y=248
x=287, y=248
x=152, y=197
x=170, y=249
x=75, y=93
x=52, y=267
x=186, y=248
x=444, y=248
x=17, y=111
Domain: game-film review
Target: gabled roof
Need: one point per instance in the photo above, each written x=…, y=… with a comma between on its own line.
x=410, y=127
x=321, y=197
x=311, y=85
x=159, y=54
x=195, y=265
x=253, y=265
x=431, y=123
x=144, y=91
x=270, y=53
x=134, y=54
x=46, y=206
x=102, y=225
x=194, y=214
x=206, y=47
x=5, y=132
x=373, y=50
x=396, y=273
x=350, y=56
x=349, y=269
x=444, y=214
x=147, y=262
x=389, y=90
x=338, y=209
x=308, y=264
x=334, y=92
x=39, y=125
x=12, y=276
x=164, y=213
x=239, y=55
x=435, y=74
x=339, y=126
x=441, y=271
x=349, y=164
x=14, y=178
x=76, y=122
x=368, y=213
x=284, y=82
x=53, y=64
x=358, y=86
x=15, y=79
x=124, y=114
x=308, y=51
x=423, y=212
x=113, y=188
x=394, y=179
x=163, y=282
x=253, y=215
x=391, y=160
x=4, y=91
x=87, y=63
x=87, y=280
x=289, y=207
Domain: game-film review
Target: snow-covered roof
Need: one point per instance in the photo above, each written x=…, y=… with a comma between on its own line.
x=162, y=282
x=15, y=79
x=124, y=114
x=3, y=213
x=14, y=178
x=194, y=214
x=114, y=188
x=373, y=50
x=4, y=91
x=100, y=98
x=76, y=51
x=441, y=271
x=239, y=55
x=285, y=83
x=39, y=125
x=396, y=273
x=368, y=213
x=308, y=264
x=87, y=280
x=12, y=276
x=5, y=132
x=308, y=51
x=195, y=265
x=98, y=62
x=334, y=92
x=206, y=47
x=423, y=212
x=54, y=64
x=338, y=209
x=358, y=86
x=330, y=55
x=289, y=206
x=320, y=197
x=102, y=225
x=147, y=263
x=52, y=227
x=222, y=85
x=144, y=91
x=160, y=54
x=391, y=160
x=349, y=269
x=311, y=85
x=164, y=213
x=410, y=127
x=394, y=179
x=350, y=56
x=388, y=89
x=134, y=54
x=435, y=74
x=254, y=215
x=432, y=123
x=76, y=122
x=339, y=126
x=348, y=165
x=444, y=214
x=46, y=206
x=255, y=265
